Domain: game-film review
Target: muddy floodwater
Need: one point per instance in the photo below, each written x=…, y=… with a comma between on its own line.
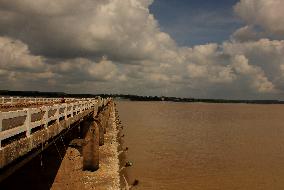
x=198, y=146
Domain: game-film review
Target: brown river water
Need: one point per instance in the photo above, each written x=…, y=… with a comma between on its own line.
x=198, y=146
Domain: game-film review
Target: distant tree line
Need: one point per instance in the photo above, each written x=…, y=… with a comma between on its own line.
x=176, y=99
x=131, y=97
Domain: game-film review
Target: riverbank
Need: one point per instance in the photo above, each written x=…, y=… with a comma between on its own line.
x=71, y=176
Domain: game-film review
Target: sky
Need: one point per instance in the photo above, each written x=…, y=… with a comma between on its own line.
x=232, y=49
x=195, y=22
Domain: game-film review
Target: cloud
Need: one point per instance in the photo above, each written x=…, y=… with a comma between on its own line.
x=234, y=63
x=117, y=46
x=267, y=14
x=264, y=53
x=258, y=79
x=124, y=29
x=247, y=33
x=15, y=55
x=206, y=62
x=19, y=69
x=81, y=69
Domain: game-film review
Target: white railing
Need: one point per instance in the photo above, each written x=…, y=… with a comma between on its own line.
x=15, y=100
x=45, y=114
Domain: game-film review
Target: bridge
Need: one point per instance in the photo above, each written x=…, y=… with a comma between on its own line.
x=29, y=125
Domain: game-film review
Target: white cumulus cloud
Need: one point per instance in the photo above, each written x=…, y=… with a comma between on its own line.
x=117, y=46
x=267, y=14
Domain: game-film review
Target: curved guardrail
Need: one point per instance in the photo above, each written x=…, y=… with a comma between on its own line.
x=42, y=116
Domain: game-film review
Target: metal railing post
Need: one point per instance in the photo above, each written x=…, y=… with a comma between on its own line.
x=45, y=116
x=1, y=119
x=72, y=109
x=28, y=122
x=57, y=113
x=65, y=111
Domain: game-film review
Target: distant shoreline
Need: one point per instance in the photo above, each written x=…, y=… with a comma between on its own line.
x=133, y=97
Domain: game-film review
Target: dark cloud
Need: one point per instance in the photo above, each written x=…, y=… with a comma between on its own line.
x=118, y=46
